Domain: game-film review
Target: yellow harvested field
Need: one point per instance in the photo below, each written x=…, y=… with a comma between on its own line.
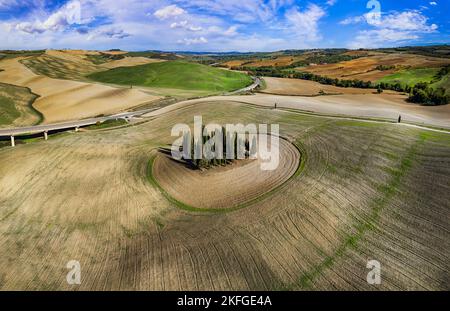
x=63, y=100
x=279, y=61
x=364, y=68
x=285, y=86
x=235, y=63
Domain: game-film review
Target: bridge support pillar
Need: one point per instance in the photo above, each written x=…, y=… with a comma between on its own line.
x=77, y=129
x=12, y=141
x=46, y=135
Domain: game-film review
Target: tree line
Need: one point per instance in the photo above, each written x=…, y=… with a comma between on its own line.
x=422, y=93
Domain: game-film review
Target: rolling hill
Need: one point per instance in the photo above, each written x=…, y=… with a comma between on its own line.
x=176, y=75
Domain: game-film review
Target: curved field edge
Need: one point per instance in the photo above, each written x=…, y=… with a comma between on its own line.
x=301, y=165
x=30, y=102
x=378, y=204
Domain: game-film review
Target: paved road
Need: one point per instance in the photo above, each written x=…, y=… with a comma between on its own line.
x=322, y=106
x=256, y=83
x=69, y=124
x=328, y=105
x=85, y=122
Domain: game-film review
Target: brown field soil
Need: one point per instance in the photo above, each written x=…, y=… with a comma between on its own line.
x=279, y=61
x=364, y=68
x=285, y=86
x=62, y=100
x=74, y=52
x=115, y=52
x=367, y=191
x=228, y=186
x=382, y=106
x=235, y=63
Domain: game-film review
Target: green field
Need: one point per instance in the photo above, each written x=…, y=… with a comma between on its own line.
x=444, y=83
x=8, y=111
x=16, y=106
x=176, y=75
x=411, y=77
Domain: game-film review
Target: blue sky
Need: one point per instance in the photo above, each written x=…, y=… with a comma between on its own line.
x=221, y=25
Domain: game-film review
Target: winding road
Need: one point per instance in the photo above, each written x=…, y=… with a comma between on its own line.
x=330, y=106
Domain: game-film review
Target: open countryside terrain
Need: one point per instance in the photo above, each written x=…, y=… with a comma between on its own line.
x=352, y=184
x=365, y=68
x=366, y=190
x=176, y=75
x=285, y=86
x=16, y=106
x=62, y=100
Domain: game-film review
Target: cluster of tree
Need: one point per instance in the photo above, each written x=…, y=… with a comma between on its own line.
x=422, y=93
x=102, y=58
x=218, y=154
x=332, y=81
x=330, y=59
x=431, y=50
x=154, y=54
x=442, y=73
x=384, y=67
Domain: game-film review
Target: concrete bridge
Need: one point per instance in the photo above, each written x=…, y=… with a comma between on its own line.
x=69, y=125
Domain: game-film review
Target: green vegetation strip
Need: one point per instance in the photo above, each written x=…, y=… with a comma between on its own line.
x=108, y=124
x=388, y=191
x=303, y=158
x=8, y=104
x=175, y=75
x=411, y=77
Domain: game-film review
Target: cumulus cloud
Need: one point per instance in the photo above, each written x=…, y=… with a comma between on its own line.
x=185, y=25
x=394, y=27
x=244, y=11
x=408, y=20
x=190, y=41
x=67, y=15
x=115, y=33
x=433, y=3
x=353, y=20
x=379, y=37
x=169, y=11
x=305, y=23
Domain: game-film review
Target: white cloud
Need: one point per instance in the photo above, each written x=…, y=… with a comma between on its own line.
x=391, y=28
x=6, y=4
x=185, y=25
x=190, y=41
x=408, y=20
x=244, y=11
x=169, y=11
x=305, y=23
x=331, y=2
x=67, y=15
x=433, y=3
x=380, y=37
x=353, y=20
x=411, y=20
